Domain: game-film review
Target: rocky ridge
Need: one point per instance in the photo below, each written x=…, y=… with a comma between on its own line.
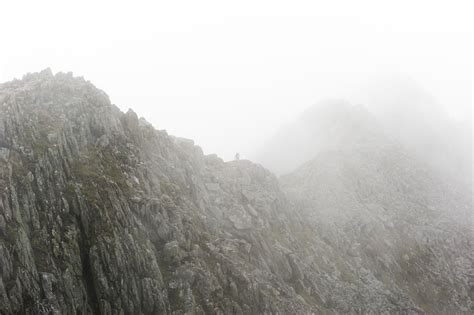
x=100, y=213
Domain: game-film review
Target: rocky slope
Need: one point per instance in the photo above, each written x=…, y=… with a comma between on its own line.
x=400, y=234
x=102, y=214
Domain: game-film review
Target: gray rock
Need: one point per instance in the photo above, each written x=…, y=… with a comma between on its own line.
x=4, y=154
x=172, y=252
x=120, y=218
x=213, y=187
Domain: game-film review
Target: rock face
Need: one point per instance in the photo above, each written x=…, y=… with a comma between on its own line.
x=102, y=214
x=392, y=229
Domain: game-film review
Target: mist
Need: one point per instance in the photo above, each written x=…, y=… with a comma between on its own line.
x=256, y=157
x=230, y=77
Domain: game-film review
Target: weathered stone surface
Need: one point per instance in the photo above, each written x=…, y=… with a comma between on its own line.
x=4, y=154
x=213, y=186
x=101, y=213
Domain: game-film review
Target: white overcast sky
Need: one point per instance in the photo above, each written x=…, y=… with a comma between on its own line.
x=228, y=73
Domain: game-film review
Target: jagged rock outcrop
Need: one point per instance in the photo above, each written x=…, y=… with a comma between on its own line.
x=394, y=233
x=400, y=226
x=102, y=214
